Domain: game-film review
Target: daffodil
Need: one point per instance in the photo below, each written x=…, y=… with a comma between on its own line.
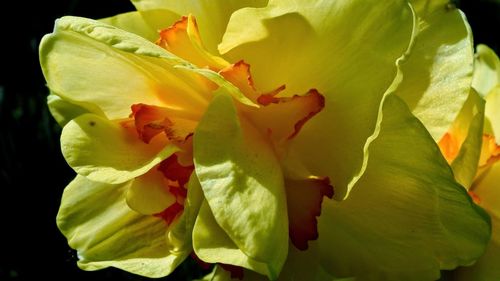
x=249, y=132
x=472, y=145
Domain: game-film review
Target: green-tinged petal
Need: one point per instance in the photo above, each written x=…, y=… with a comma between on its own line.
x=469, y=124
x=181, y=232
x=64, y=111
x=243, y=184
x=300, y=265
x=486, y=70
x=304, y=265
x=104, y=151
x=407, y=218
x=212, y=15
x=145, y=23
x=346, y=50
x=97, y=222
x=148, y=194
x=492, y=112
x=212, y=244
x=438, y=71
x=487, y=267
x=426, y=7
x=115, y=69
x=92, y=62
x=218, y=274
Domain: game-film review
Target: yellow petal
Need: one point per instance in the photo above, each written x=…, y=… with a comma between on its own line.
x=437, y=73
x=148, y=194
x=106, y=152
x=97, y=222
x=347, y=50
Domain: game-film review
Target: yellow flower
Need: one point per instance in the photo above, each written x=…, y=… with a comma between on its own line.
x=179, y=147
x=473, y=149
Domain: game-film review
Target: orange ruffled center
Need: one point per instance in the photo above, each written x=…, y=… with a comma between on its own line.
x=278, y=117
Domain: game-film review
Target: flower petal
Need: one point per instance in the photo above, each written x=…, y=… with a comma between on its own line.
x=64, y=111
x=486, y=70
x=439, y=68
x=183, y=39
x=493, y=113
x=407, y=218
x=180, y=235
x=304, y=265
x=283, y=118
x=304, y=198
x=300, y=265
x=243, y=184
x=467, y=133
x=212, y=244
x=344, y=49
x=106, y=152
x=99, y=225
x=152, y=120
x=123, y=69
x=145, y=23
x=488, y=193
x=148, y=194
x=212, y=15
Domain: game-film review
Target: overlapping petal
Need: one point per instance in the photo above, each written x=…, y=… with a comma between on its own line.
x=99, y=224
x=64, y=111
x=149, y=194
x=242, y=182
x=486, y=70
x=115, y=60
x=144, y=23
x=488, y=196
x=212, y=15
x=484, y=189
x=346, y=50
x=105, y=151
x=406, y=202
x=439, y=67
x=461, y=145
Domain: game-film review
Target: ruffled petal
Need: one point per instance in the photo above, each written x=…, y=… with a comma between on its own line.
x=183, y=39
x=212, y=244
x=149, y=194
x=437, y=74
x=283, y=118
x=144, y=23
x=152, y=120
x=300, y=265
x=493, y=112
x=212, y=15
x=86, y=61
x=487, y=193
x=105, y=151
x=346, y=50
x=461, y=145
x=304, y=198
x=486, y=70
x=407, y=218
x=64, y=111
x=243, y=184
x=97, y=222
x=180, y=235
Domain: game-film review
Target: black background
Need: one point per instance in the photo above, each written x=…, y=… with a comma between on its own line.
x=33, y=173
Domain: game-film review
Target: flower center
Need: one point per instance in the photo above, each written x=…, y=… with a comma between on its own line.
x=277, y=117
